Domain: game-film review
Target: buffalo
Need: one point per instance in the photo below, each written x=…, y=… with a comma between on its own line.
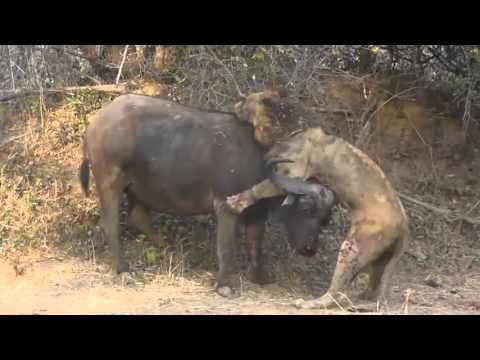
x=180, y=160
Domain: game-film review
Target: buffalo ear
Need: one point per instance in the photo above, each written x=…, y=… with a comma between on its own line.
x=289, y=200
x=326, y=199
x=276, y=92
x=281, y=91
x=276, y=86
x=269, y=102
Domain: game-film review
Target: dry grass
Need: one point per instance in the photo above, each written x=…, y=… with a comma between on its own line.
x=38, y=188
x=44, y=208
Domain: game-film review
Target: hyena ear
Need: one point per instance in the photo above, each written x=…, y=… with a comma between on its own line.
x=276, y=88
x=280, y=91
x=269, y=101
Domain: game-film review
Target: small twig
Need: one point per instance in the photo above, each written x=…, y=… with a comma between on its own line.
x=449, y=214
x=93, y=252
x=6, y=142
x=468, y=103
x=346, y=298
x=430, y=148
x=338, y=111
x=367, y=124
x=124, y=57
x=91, y=60
x=19, y=68
x=408, y=292
x=336, y=302
x=98, y=82
x=227, y=70
x=473, y=207
x=295, y=132
x=424, y=204
x=42, y=104
x=11, y=67
x=70, y=52
x=108, y=88
x=390, y=99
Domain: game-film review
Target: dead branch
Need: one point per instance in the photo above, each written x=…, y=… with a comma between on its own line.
x=390, y=99
x=124, y=57
x=8, y=141
x=424, y=204
x=107, y=88
x=334, y=111
x=448, y=214
x=367, y=124
x=468, y=99
x=10, y=62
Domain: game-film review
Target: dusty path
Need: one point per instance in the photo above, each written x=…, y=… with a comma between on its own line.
x=53, y=286
x=69, y=286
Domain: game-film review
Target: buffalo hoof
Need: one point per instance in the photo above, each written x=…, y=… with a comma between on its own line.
x=121, y=267
x=225, y=291
x=124, y=279
x=260, y=277
x=368, y=295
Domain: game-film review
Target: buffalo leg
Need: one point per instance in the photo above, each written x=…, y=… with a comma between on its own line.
x=255, y=233
x=201, y=228
x=226, y=231
x=140, y=218
x=110, y=190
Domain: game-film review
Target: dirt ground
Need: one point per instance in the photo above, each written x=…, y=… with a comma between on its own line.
x=52, y=284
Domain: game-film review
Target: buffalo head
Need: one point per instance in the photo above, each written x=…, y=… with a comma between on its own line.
x=305, y=210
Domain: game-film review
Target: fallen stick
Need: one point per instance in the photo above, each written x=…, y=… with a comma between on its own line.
x=449, y=214
x=424, y=204
x=124, y=57
x=109, y=88
x=8, y=141
x=335, y=111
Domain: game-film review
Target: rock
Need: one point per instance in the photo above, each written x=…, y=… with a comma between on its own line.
x=432, y=282
x=417, y=254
